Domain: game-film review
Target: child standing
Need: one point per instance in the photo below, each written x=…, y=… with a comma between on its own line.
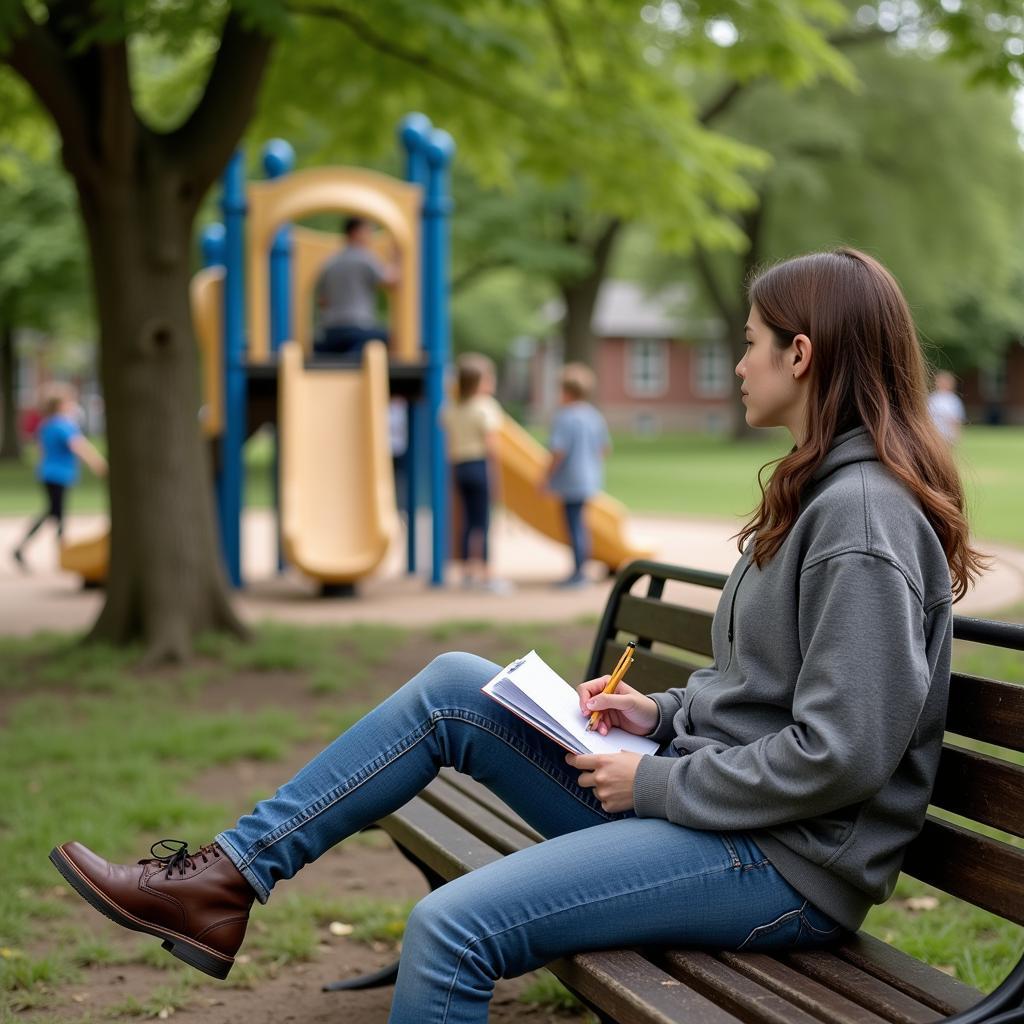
x=472, y=424
x=579, y=446
x=61, y=444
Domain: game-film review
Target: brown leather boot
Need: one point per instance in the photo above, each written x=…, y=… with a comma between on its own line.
x=198, y=903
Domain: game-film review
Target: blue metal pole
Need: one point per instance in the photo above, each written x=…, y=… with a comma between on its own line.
x=278, y=160
x=230, y=480
x=439, y=152
x=413, y=133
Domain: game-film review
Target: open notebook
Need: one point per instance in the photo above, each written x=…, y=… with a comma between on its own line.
x=536, y=693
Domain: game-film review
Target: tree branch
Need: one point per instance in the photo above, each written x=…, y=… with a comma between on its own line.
x=442, y=72
x=563, y=41
x=726, y=309
x=39, y=61
x=118, y=124
x=466, y=277
x=202, y=145
x=721, y=103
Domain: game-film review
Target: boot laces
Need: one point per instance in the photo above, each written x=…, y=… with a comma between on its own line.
x=179, y=859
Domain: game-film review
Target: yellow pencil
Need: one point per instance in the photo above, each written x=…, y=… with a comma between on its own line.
x=617, y=673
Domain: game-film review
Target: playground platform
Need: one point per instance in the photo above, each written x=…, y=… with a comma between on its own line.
x=47, y=599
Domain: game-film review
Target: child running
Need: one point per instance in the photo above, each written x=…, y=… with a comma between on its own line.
x=62, y=444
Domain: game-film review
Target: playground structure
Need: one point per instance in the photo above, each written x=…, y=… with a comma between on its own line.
x=251, y=308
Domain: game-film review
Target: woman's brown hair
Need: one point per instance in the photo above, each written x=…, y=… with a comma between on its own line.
x=868, y=369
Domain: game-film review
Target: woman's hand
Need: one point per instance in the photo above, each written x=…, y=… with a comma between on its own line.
x=610, y=776
x=626, y=708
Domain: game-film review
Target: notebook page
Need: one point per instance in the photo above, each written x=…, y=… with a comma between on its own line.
x=554, y=695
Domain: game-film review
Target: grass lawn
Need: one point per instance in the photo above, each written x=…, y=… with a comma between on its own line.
x=682, y=474
x=90, y=749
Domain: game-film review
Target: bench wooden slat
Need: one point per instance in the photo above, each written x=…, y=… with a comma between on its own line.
x=632, y=990
x=455, y=805
x=734, y=991
x=441, y=844
x=482, y=795
x=650, y=673
x=944, y=994
x=806, y=993
x=982, y=788
x=983, y=871
x=986, y=709
x=878, y=996
x=651, y=619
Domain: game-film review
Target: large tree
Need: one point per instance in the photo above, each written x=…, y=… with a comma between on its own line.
x=544, y=87
x=915, y=167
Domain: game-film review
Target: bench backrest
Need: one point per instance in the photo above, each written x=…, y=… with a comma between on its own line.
x=978, y=800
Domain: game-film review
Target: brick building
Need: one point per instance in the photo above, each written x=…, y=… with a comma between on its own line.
x=657, y=371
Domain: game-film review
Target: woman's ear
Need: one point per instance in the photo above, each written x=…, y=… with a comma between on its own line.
x=801, y=352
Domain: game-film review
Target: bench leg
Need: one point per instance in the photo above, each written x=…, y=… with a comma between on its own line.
x=386, y=975
x=375, y=979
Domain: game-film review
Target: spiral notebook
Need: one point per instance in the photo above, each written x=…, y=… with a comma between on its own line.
x=535, y=692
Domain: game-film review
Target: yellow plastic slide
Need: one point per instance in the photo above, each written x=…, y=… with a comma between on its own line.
x=338, y=514
x=523, y=464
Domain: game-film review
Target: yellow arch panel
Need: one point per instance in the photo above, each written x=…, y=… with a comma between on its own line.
x=393, y=204
x=206, y=292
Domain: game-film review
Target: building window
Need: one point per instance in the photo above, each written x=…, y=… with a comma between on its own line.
x=712, y=371
x=647, y=373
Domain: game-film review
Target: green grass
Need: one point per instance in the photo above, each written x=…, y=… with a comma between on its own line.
x=675, y=474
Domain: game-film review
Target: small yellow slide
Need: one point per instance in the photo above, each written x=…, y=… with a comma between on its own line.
x=338, y=514
x=523, y=464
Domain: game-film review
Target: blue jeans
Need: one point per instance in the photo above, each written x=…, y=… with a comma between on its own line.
x=348, y=340
x=579, y=541
x=599, y=881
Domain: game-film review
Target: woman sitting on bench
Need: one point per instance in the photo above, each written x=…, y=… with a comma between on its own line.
x=791, y=773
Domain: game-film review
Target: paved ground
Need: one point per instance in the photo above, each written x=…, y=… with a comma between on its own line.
x=48, y=599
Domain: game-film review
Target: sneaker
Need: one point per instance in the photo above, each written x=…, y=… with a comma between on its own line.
x=497, y=586
x=574, y=581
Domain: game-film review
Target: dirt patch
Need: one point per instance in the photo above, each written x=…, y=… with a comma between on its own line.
x=368, y=869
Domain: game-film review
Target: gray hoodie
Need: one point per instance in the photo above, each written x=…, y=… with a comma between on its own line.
x=818, y=727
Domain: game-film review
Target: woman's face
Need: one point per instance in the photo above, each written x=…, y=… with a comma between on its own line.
x=771, y=393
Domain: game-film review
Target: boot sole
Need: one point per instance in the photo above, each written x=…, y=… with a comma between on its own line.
x=193, y=953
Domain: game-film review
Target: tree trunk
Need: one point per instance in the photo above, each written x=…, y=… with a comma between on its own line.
x=579, y=295
x=165, y=582
x=10, y=446
x=730, y=301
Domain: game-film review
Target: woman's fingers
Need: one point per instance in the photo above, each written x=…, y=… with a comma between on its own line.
x=587, y=690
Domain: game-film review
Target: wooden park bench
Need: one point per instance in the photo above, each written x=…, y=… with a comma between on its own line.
x=456, y=825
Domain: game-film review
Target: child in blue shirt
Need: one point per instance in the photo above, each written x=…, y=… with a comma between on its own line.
x=61, y=445
x=579, y=445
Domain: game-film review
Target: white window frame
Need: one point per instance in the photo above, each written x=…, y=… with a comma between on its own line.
x=647, y=367
x=712, y=370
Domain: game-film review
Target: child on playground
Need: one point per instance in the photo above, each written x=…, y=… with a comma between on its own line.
x=472, y=423
x=792, y=771
x=62, y=444
x=579, y=445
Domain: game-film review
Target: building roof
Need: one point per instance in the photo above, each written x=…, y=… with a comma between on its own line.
x=625, y=309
